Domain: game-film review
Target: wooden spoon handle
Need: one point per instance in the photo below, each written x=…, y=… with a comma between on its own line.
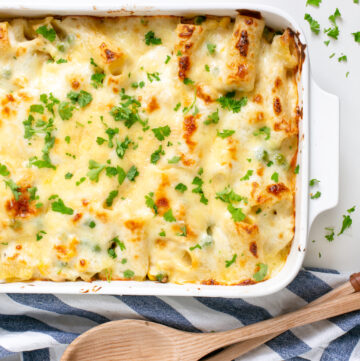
x=281, y=323
x=241, y=348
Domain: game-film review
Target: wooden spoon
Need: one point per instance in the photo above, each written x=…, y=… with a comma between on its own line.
x=241, y=348
x=138, y=340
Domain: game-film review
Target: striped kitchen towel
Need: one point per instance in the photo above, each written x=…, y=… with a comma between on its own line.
x=38, y=327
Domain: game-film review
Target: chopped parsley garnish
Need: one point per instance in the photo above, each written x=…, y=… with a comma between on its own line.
x=356, y=36
x=314, y=25
x=332, y=55
x=124, y=260
x=153, y=76
x=275, y=177
x=61, y=61
x=66, y=110
x=327, y=42
x=177, y=107
x=112, y=253
x=129, y=274
x=100, y=140
x=313, y=2
x=110, y=198
x=175, y=159
x=342, y=58
x=132, y=174
x=297, y=168
x=312, y=182
x=228, y=102
x=263, y=131
x=236, y=213
x=151, y=39
x=92, y=224
x=81, y=180
x=181, y=187
x=188, y=81
x=111, y=172
x=121, y=147
x=183, y=232
x=330, y=233
x=213, y=118
x=155, y=157
x=194, y=247
x=211, y=48
x=95, y=170
x=15, y=189
x=169, y=217
x=119, y=243
x=247, y=176
x=225, y=133
x=351, y=210
x=261, y=273
x=207, y=68
x=229, y=263
x=168, y=57
x=83, y=98
x=128, y=111
x=59, y=206
x=161, y=132
x=3, y=170
x=149, y=201
x=228, y=195
x=32, y=192
x=121, y=175
x=48, y=34
x=67, y=139
x=316, y=195
x=49, y=102
x=68, y=175
x=37, y=108
x=162, y=233
x=97, y=79
x=199, y=182
x=39, y=235
x=111, y=132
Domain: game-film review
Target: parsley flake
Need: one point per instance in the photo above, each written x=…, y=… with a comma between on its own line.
x=275, y=177
x=3, y=170
x=314, y=25
x=316, y=195
x=59, y=206
x=181, y=187
x=151, y=39
x=229, y=263
x=330, y=233
x=213, y=118
x=228, y=102
x=110, y=199
x=155, y=157
x=211, y=48
x=132, y=174
x=48, y=34
x=261, y=273
x=263, y=131
x=225, y=133
x=149, y=201
x=247, y=176
x=175, y=159
x=95, y=170
x=161, y=132
x=169, y=217
x=236, y=213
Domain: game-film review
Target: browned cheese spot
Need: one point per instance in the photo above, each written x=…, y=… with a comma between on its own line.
x=242, y=71
x=277, y=188
x=184, y=66
x=277, y=106
x=253, y=249
x=153, y=105
x=189, y=127
x=75, y=84
x=243, y=43
x=20, y=208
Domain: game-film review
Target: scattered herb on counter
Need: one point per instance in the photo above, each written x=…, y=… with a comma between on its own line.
x=314, y=25
x=316, y=195
x=330, y=233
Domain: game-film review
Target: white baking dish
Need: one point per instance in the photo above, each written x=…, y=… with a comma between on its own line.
x=318, y=152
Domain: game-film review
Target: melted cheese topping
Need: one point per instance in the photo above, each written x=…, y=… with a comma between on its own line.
x=124, y=157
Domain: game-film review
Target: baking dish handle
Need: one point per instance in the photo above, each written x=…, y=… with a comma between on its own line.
x=324, y=149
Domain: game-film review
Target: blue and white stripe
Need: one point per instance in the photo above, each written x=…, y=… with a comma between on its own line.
x=38, y=327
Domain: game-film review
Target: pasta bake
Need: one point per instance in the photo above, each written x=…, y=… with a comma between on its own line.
x=147, y=148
